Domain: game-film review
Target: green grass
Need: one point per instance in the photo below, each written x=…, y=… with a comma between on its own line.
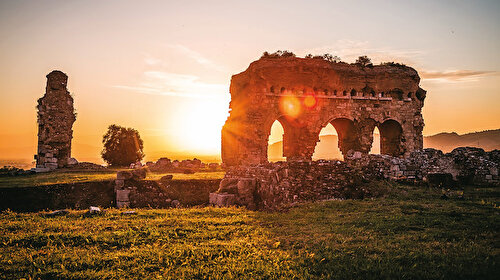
x=65, y=177
x=411, y=234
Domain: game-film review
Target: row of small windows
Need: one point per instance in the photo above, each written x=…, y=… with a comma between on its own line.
x=365, y=92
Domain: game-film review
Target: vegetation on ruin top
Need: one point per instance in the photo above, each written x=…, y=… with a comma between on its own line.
x=411, y=234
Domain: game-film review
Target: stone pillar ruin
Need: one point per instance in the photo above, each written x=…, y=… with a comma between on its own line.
x=55, y=123
x=306, y=94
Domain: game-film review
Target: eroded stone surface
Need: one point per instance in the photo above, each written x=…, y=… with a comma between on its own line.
x=274, y=185
x=55, y=123
x=305, y=94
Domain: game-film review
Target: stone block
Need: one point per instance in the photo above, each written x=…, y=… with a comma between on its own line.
x=139, y=174
x=124, y=175
x=51, y=166
x=122, y=196
x=246, y=191
x=494, y=171
x=223, y=199
x=121, y=204
x=119, y=184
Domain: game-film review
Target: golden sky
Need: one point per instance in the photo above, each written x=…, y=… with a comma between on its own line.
x=164, y=67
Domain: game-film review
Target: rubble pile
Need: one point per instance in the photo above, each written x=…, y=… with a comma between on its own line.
x=166, y=165
x=274, y=185
x=270, y=186
x=466, y=165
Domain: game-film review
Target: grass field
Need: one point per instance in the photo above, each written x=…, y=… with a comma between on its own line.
x=42, y=179
x=411, y=234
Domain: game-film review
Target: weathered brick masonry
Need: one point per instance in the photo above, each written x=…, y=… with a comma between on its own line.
x=55, y=123
x=305, y=94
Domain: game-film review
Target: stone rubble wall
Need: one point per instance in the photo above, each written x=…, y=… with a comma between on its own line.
x=55, y=124
x=273, y=185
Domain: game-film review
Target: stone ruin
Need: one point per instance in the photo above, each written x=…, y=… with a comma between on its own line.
x=273, y=186
x=305, y=94
x=55, y=121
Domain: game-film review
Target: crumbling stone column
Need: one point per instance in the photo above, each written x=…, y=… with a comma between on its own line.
x=55, y=123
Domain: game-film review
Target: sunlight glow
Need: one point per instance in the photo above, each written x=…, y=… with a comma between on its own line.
x=198, y=125
x=310, y=101
x=275, y=143
x=290, y=106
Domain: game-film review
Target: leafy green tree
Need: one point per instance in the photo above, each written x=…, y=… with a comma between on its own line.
x=122, y=146
x=364, y=61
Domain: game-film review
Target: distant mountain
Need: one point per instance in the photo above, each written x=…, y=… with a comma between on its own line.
x=487, y=140
x=327, y=148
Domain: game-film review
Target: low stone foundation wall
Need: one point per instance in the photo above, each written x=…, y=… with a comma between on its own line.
x=133, y=191
x=60, y=196
x=274, y=185
x=472, y=166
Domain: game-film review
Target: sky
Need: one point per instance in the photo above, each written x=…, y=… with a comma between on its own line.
x=164, y=67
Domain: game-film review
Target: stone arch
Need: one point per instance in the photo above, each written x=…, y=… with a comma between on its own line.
x=348, y=136
x=291, y=131
x=327, y=146
x=375, y=148
x=391, y=135
x=397, y=94
x=275, y=145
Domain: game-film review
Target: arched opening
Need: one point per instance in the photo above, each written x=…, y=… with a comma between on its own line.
x=375, y=149
x=390, y=138
x=328, y=145
x=353, y=92
x=275, y=143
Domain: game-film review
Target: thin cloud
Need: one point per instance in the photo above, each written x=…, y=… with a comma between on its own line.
x=172, y=84
x=196, y=56
x=455, y=75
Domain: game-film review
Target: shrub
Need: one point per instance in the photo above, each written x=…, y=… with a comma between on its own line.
x=122, y=146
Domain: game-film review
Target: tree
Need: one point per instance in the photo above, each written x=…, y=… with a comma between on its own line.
x=364, y=61
x=331, y=58
x=122, y=146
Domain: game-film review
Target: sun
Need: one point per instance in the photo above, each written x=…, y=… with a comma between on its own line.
x=198, y=127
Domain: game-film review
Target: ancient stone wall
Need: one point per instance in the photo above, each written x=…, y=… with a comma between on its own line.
x=55, y=123
x=305, y=94
x=275, y=185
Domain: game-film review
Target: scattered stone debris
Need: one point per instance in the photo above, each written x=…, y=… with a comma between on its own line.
x=176, y=203
x=167, y=178
x=11, y=171
x=55, y=124
x=274, y=185
x=187, y=166
x=57, y=213
x=130, y=212
x=94, y=210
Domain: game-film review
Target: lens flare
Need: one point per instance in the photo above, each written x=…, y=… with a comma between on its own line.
x=310, y=101
x=290, y=106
